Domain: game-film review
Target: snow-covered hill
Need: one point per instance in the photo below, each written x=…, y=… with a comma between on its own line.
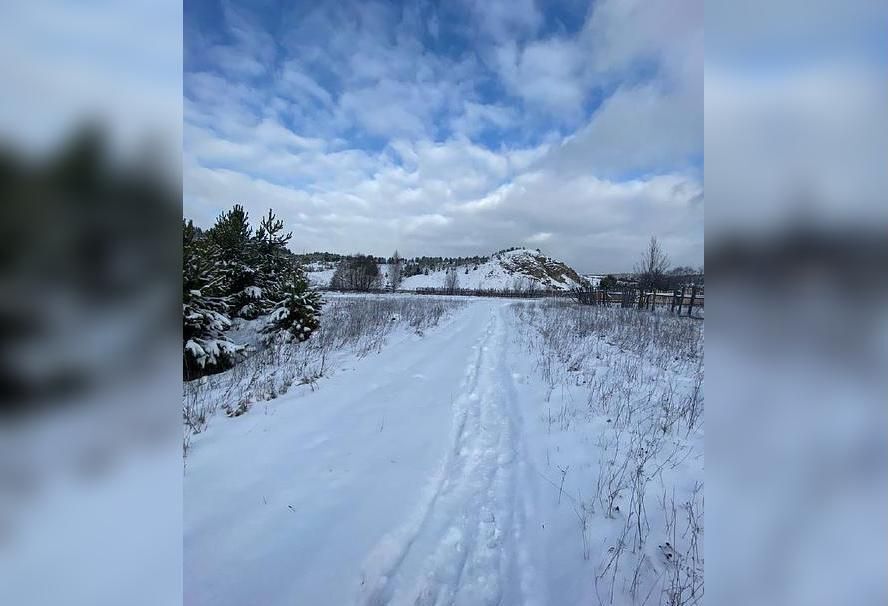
x=515, y=270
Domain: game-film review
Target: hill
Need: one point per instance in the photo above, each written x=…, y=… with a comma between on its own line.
x=515, y=269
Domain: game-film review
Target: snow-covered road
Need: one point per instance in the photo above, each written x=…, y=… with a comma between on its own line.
x=519, y=453
x=401, y=480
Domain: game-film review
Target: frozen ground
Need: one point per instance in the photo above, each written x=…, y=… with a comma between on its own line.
x=515, y=453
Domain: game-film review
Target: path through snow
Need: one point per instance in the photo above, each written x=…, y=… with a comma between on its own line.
x=463, y=544
x=402, y=481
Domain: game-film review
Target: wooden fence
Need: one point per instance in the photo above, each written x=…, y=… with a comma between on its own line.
x=684, y=301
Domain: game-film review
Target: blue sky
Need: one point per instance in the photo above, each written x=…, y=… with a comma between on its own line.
x=452, y=128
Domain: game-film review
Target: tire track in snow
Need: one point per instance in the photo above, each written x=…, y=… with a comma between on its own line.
x=389, y=555
x=461, y=545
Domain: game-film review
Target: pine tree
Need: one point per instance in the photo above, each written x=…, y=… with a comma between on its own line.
x=273, y=264
x=233, y=237
x=234, y=272
x=206, y=348
x=296, y=315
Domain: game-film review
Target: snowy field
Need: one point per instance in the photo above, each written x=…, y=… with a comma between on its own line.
x=430, y=450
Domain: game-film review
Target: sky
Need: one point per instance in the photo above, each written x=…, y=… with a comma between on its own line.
x=451, y=128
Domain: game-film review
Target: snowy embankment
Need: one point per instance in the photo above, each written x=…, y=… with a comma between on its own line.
x=501, y=457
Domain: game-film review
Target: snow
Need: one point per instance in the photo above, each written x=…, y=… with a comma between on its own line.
x=500, y=273
x=594, y=279
x=497, y=273
x=494, y=274
x=428, y=474
x=320, y=278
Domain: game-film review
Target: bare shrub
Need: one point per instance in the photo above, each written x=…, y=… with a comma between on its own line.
x=643, y=381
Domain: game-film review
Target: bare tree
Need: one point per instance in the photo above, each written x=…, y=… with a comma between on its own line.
x=359, y=272
x=451, y=280
x=395, y=271
x=652, y=266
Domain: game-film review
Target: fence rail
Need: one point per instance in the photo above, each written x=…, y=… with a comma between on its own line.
x=685, y=300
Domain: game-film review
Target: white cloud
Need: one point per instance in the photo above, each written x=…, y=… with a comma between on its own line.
x=539, y=238
x=547, y=74
x=478, y=117
x=390, y=108
x=367, y=141
x=253, y=49
x=503, y=19
x=453, y=196
x=296, y=85
x=640, y=128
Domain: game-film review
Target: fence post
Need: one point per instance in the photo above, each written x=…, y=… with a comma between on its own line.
x=693, y=297
x=672, y=306
x=681, y=300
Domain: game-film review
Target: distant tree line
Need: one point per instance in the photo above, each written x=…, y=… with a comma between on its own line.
x=511, y=248
x=408, y=266
x=358, y=272
x=318, y=257
x=425, y=265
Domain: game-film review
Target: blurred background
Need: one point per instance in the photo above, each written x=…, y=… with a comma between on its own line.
x=796, y=121
x=90, y=433
x=797, y=348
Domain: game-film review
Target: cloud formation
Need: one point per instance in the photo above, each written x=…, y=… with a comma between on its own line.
x=452, y=128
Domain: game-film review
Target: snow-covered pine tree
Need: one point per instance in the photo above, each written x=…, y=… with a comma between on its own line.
x=206, y=348
x=233, y=236
x=273, y=263
x=297, y=315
